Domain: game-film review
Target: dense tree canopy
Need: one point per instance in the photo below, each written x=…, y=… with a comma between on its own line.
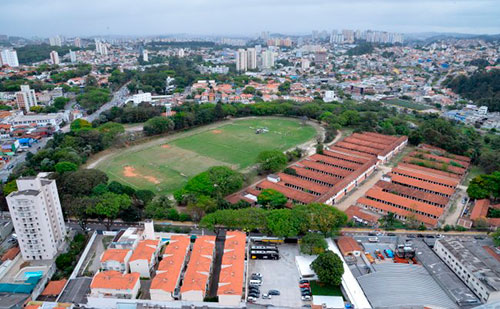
x=485, y=186
x=271, y=161
x=329, y=268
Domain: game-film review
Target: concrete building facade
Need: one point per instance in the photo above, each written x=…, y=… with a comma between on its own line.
x=37, y=216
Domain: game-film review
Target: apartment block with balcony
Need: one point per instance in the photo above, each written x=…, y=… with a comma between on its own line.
x=36, y=213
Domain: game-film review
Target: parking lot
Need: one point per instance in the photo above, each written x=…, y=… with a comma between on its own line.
x=281, y=275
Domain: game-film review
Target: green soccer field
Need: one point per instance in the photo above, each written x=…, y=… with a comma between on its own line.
x=167, y=166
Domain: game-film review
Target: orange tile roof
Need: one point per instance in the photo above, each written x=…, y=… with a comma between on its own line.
x=422, y=184
x=358, y=154
x=388, y=208
x=114, y=280
x=112, y=254
x=450, y=168
x=172, y=263
x=316, y=175
x=145, y=250
x=364, y=143
x=336, y=162
x=420, y=195
x=200, y=265
x=355, y=211
x=10, y=254
x=344, y=157
x=425, y=176
x=290, y=193
x=347, y=245
x=377, y=193
x=362, y=149
x=233, y=264
x=54, y=287
x=430, y=170
x=480, y=209
x=457, y=157
x=305, y=184
x=325, y=168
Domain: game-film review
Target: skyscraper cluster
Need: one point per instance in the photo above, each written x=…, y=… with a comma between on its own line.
x=349, y=36
x=9, y=57
x=251, y=58
x=101, y=48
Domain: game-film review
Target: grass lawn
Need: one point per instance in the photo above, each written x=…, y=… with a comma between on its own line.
x=165, y=168
x=325, y=290
x=407, y=104
x=474, y=171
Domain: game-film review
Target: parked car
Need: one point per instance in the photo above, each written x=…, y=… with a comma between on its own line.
x=306, y=297
x=372, y=234
x=274, y=292
x=266, y=296
x=303, y=281
x=258, y=275
x=420, y=235
x=410, y=236
x=304, y=285
x=430, y=236
x=251, y=299
x=391, y=234
x=254, y=294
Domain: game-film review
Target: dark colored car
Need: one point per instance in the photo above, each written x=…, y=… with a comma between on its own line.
x=372, y=234
x=410, y=236
x=420, y=235
x=430, y=236
x=303, y=281
x=254, y=294
x=274, y=292
x=391, y=234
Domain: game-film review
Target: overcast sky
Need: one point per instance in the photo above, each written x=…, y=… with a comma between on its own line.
x=243, y=17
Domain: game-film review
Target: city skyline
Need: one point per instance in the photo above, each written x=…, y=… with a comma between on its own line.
x=30, y=18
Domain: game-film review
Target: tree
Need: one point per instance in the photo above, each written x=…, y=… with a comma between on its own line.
x=81, y=182
x=65, y=166
x=202, y=205
x=271, y=199
x=271, y=161
x=158, y=125
x=80, y=124
x=159, y=208
x=60, y=102
x=496, y=237
x=319, y=217
x=9, y=187
x=79, y=208
x=281, y=223
x=485, y=186
x=109, y=206
x=329, y=268
x=313, y=244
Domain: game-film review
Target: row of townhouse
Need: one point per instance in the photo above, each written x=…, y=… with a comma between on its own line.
x=420, y=187
x=331, y=175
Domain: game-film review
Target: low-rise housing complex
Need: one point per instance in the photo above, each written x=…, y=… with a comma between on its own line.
x=196, y=278
x=328, y=177
x=420, y=187
x=113, y=283
x=232, y=273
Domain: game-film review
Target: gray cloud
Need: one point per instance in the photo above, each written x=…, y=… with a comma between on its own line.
x=101, y=17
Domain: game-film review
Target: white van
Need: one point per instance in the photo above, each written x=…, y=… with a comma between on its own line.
x=373, y=239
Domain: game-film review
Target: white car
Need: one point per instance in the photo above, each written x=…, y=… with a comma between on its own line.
x=306, y=297
x=251, y=299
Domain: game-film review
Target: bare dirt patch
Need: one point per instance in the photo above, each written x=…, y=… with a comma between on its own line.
x=166, y=146
x=129, y=171
x=216, y=131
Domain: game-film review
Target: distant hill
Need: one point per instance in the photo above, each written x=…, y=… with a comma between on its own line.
x=481, y=87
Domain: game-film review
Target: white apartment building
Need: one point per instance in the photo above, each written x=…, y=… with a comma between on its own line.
x=55, y=41
x=251, y=59
x=54, y=57
x=40, y=120
x=241, y=60
x=477, y=268
x=72, y=56
x=101, y=48
x=36, y=213
x=26, y=98
x=145, y=56
x=9, y=57
x=267, y=59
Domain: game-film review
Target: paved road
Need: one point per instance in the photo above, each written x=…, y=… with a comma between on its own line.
x=20, y=157
x=117, y=100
